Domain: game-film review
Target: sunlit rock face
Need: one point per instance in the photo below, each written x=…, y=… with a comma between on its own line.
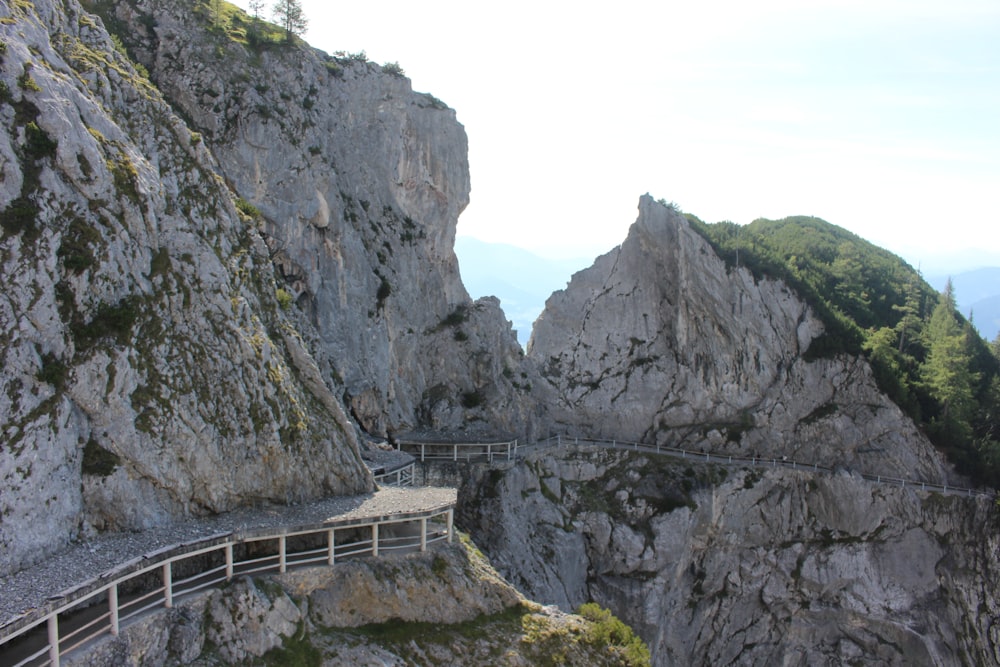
x=727, y=565
x=149, y=371
x=360, y=182
x=660, y=341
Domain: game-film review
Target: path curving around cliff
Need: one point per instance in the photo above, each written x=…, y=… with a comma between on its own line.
x=28, y=589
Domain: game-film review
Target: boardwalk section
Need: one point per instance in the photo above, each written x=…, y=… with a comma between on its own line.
x=460, y=451
x=505, y=451
x=757, y=462
x=158, y=580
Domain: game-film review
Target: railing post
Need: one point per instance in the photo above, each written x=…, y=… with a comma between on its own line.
x=558, y=439
x=113, y=608
x=229, y=562
x=54, y=640
x=423, y=534
x=421, y=452
x=281, y=554
x=451, y=524
x=330, y=544
x=168, y=586
x=374, y=539
x=454, y=449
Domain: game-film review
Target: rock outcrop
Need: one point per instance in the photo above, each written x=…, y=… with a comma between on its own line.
x=717, y=565
x=660, y=341
x=445, y=607
x=149, y=370
x=360, y=182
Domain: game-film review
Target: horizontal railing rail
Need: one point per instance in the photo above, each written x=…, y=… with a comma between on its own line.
x=319, y=544
x=460, y=451
x=757, y=462
x=402, y=476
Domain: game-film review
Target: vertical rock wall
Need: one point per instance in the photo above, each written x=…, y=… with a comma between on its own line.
x=722, y=565
x=360, y=182
x=148, y=368
x=659, y=341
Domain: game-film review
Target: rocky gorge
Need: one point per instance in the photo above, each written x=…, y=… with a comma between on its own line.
x=228, y=267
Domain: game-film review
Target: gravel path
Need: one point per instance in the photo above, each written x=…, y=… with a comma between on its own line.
x=29, y=588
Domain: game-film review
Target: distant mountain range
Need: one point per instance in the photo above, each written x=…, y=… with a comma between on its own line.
x=523, y=280
x=976, y=292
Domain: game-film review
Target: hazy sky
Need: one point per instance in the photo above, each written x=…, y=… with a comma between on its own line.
x=881, y=116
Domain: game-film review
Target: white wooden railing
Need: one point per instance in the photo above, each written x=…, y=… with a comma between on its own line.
x=402, y=476
x=73, y=618
x=460, y=451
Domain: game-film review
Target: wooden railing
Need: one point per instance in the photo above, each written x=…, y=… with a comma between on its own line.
x=402, y=476
x=759, y=462
x=460, y=451
x=73, y=618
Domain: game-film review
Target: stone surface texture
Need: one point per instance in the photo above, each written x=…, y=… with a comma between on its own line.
x=148, y=369
x=360, y=181
x=719, y=565
x=659, y=341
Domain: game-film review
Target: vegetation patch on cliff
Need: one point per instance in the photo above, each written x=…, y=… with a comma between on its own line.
x=924, y=354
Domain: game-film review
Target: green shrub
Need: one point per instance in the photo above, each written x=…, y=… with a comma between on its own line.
x=455, y=317
x=607, y=630
x=394, y=69
x=19, y=217
x=27, y=83
x=284, y=297
x=39, y=144
x=472, y=399
x=384, y=290
x=247, y=208
x=109, y=321
x=53, y=371
x=98, y=461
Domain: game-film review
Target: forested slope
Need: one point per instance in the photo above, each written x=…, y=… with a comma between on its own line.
x=925, y=355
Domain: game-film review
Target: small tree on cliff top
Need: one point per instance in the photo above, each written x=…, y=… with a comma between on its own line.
x=289, y=15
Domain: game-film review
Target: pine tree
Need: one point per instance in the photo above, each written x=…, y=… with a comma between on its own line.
x=947, y=370
x=289, y=15
x=910, y=321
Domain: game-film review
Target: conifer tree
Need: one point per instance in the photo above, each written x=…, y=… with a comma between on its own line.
x=947, y=370
x=910, y=321
x=289, y=15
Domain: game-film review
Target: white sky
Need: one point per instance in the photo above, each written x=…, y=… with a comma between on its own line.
x=881, y=116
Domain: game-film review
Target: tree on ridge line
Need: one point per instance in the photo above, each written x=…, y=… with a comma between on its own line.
x=289, y=15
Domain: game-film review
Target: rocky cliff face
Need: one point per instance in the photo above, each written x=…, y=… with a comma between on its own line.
x=659, y=341
x=716, y=565
x=360, y=182
x=148, y=368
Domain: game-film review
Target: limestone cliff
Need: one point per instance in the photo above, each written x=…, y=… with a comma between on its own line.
x=360, y=182
x=148, y=368
x=659, y=341
x=717, y=565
